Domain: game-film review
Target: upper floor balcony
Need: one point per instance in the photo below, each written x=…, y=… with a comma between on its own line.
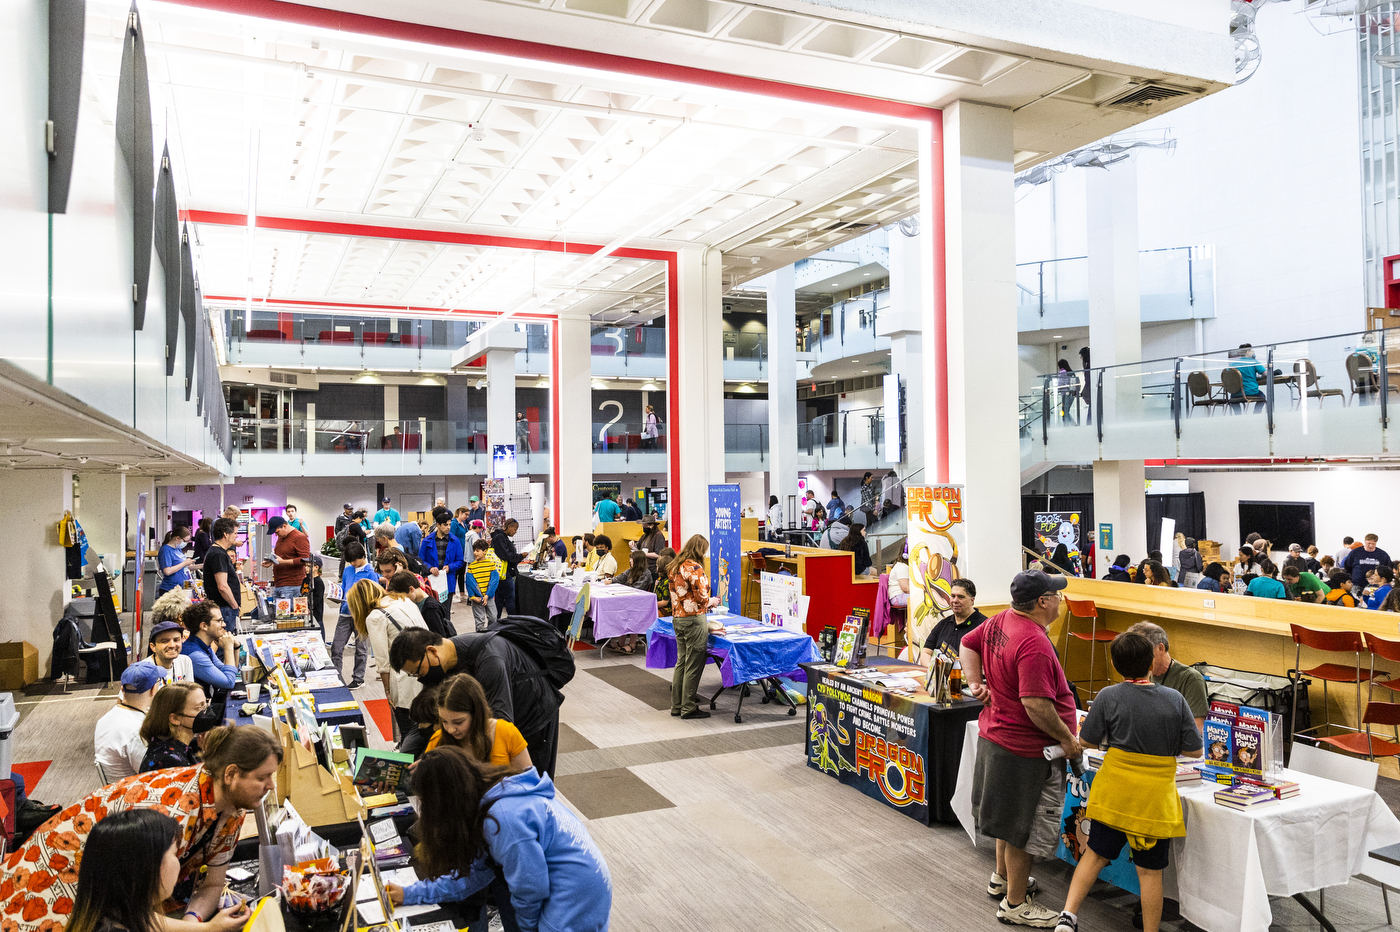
x=1328, y=397
x=845, y=440
x=1175, y=284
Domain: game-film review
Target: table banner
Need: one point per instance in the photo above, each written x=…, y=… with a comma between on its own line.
x=872, y=740
x=1074, y=835
x=725, y=577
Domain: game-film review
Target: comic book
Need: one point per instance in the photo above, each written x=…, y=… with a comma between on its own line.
x=1247, y=747
x=850, y=642
x=1218, y=737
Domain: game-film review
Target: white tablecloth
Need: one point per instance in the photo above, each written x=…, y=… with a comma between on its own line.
x=1230, y=862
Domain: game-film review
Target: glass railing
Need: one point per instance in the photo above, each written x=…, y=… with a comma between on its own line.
x=629, y=341
x=333, y=436
x=747, y=438
x=626, y=439
x=1324, y=397
x=845, y=328
x=1174, y=283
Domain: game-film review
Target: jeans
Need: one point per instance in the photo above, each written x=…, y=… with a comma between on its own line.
x=344, y=628
x=230, y=618
x=505, y=596
x=692, y=637
x=284, y=592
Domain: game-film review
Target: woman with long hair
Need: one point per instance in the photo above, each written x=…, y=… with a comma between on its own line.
x=855, y=543
x=379, y=617
x=637, y=576
x=481, y=825
x=172, y=562
x=129, y=867
x=169, y=727
x=690, y=602
x=203, y=539
x=1215, y=578
x=465, y=720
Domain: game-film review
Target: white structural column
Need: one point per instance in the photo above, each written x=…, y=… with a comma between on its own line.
x=1115, y=338
x=983, y=440
x=782, y=387
x=100, y=511
x=500, y=397
x=35, y=588
x=903, y=323
x=697, y=393
x=572, y=397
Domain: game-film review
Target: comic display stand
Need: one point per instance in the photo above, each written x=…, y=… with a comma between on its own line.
x=322, y=797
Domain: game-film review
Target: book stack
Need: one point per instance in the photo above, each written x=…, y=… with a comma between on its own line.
x=1245, y=797
x=1282, y=789
x=1188, y=773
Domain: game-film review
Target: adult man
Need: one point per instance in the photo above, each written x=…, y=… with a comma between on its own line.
x=357, y=567
x=1174, y=674
x=442, y=553
x=516, y=687
x=385, y=513
x=949, y=631
x=384, y=539
x=608, y=508
x=409, y=536
x=207, y=643
x=209, y=801
x=607, y=563
x=1250, y=373
x=1302, y=586
x=504, y=548
x=1363, y=559
x=221, y=586
x=809, y=509
x=1017, y=794
x=476, y=512
x=293, y=520
x=345, y=518
x=288, y=559
x=1348, y=543
x=167, y=639
x=835, y=507
x=117, y=743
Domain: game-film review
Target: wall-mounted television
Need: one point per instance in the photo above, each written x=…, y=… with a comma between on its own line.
x=1282, y=523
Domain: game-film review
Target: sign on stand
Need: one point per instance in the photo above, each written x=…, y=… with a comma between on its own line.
x=783, y=603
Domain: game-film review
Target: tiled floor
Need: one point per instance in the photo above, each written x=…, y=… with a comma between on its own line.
x=711, y=826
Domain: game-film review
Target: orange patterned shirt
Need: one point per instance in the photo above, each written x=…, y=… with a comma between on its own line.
x=40, y=879
x=690, y=590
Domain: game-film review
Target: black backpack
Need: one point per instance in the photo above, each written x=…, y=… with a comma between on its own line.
x=541, y=642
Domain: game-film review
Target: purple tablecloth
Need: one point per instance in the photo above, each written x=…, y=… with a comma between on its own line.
x=745, y=659
x=615, y=610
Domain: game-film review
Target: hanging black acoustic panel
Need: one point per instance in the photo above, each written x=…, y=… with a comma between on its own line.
x=187, y=299
x=167, y=242
x=67, y=25
x=193, y=320
x=134, y=141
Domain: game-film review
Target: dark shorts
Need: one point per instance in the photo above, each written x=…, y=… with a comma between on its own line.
x=1016, y=799
x=1108, y=842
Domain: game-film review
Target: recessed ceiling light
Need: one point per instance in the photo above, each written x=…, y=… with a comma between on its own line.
x=1057, y=336
x=864, y=371
x=867, y=274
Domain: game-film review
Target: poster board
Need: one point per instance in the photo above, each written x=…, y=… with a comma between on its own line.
x=937, y=535
x=1053, y=528
x=782, y=602
x=503, y=462
x=725, y=576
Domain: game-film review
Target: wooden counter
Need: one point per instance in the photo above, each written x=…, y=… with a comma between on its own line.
x=828, y=579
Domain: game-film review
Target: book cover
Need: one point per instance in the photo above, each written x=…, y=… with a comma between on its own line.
x=381, y=768
x=850, y=641
x=1258, y=715
x=1246, y=747
x=300, y=605
x=1245, y=796
x=1217, y=735
x=1226, y=709
x=284, y=608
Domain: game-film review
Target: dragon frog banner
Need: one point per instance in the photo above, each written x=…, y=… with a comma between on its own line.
x=936, y=538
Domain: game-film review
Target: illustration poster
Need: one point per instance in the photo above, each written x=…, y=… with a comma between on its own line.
x=503, y=463
x=1053, y=528
x=936, y=539
x=781, y=598
x=1074, y=836
x=872, y=740
x=725, y=576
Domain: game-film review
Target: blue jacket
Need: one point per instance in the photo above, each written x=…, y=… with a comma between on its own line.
x=459, y=530
x=557, y=877
x=348, y=577
x=474, y=588
x=409, y=536
x=428, y=554
x=208, y=668
x=1376, y=599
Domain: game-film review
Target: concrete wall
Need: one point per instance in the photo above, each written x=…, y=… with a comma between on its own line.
x=36, y=590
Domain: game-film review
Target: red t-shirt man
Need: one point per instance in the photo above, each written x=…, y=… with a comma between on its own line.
x=1019, y=662
x=293, y=549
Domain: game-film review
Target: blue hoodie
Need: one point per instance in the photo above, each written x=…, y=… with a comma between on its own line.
x=557, y=877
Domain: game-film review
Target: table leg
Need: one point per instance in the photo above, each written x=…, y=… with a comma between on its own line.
x=1315, y=912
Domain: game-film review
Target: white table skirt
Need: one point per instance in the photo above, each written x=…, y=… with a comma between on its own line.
x=1230, y=862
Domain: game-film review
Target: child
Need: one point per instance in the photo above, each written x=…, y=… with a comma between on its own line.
x=481, y=579
x=357, y=567
x=316, y=591
x=1133, y=798
x=1341, y=593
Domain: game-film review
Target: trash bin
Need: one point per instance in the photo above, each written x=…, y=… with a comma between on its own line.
x=9, y=718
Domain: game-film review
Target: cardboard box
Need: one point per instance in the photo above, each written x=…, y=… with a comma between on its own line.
x=19, y=665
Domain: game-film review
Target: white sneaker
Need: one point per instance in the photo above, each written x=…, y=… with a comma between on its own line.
x=1027, y=914
x=1067, y=923
x=996, y=887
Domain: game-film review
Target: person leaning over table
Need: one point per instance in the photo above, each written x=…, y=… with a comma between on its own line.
x=117, y=743
x=1302, y=586
x=1264, y=585
x=951, y=628
x=169, y=727
x=209, y=801
x=410, y=587
x=1172, y=673
x=207, y=644
x=1017, y=795
x=381, y=618
x=690, y=601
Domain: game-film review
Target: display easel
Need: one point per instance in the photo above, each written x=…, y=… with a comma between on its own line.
x=322, y=797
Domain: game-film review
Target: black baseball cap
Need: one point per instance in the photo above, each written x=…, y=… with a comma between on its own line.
x=1032, y=584
x=274, y=523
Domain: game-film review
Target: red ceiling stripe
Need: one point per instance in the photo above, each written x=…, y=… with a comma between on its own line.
x=404, y=310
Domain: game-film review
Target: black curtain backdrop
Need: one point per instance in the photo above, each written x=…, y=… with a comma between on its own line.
x=1082, y=503
x=1188, y=511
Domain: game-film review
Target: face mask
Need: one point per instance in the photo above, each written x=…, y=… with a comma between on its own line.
x=434, y=676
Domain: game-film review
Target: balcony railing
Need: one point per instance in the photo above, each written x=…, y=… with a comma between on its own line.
x=626, y=441
x=342, y=437
x=1323, y=397
x=1176, y=283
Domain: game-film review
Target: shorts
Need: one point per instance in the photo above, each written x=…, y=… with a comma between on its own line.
x=1108, y=842
x=1017, y=799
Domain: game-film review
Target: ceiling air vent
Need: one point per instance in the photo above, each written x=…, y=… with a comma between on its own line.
x=285, y=378
x=1145, y=95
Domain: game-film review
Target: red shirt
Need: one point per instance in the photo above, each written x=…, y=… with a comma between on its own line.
x=291, y=549
x=1018, y=661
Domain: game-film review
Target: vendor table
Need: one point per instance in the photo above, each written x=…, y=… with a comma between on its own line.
x=900, y=749
x=1230, y=862
x=748, y=652
x=532, y=596
x=355, y=716
x=615, y=609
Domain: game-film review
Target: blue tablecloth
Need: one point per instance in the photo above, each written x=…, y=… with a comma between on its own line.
x=772, y=652
x=355, y=716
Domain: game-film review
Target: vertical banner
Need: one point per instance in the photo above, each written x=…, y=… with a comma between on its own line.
x=936, y=538
x=724, y=545
x=503, y=463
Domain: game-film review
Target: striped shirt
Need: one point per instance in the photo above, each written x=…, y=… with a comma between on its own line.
x=481, y=571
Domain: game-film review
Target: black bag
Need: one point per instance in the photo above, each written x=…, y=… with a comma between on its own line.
x=541, y=642
x=30, y=816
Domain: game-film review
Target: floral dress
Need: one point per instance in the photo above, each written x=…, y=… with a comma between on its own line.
x=40, y=879
x=690, y=589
